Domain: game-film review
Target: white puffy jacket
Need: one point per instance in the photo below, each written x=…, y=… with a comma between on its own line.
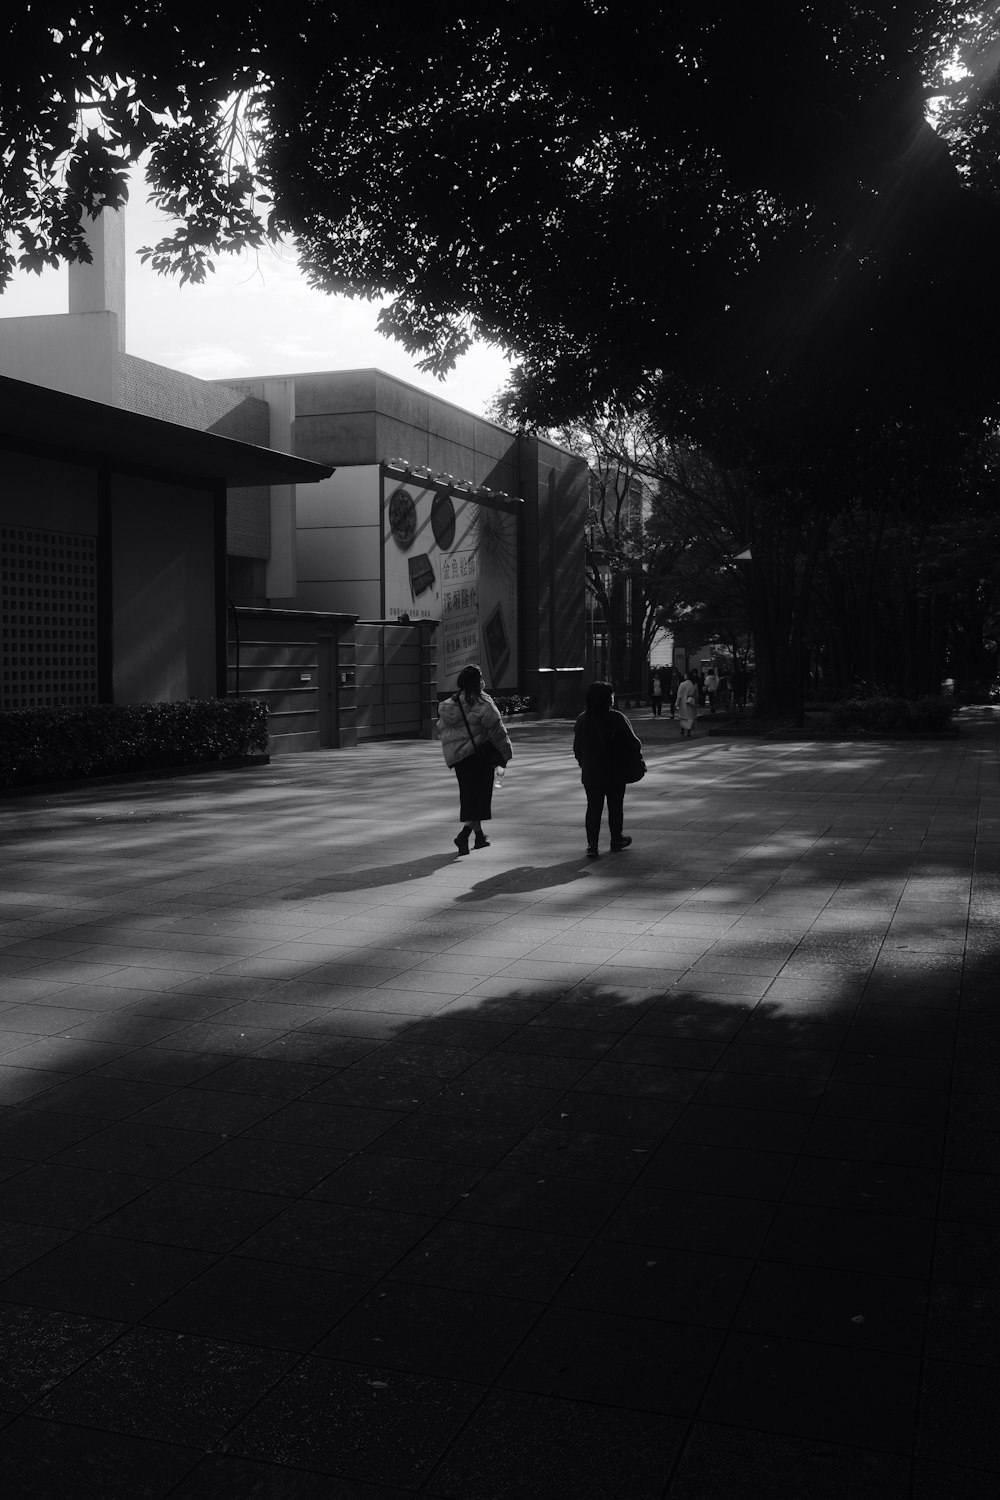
x=484, y=721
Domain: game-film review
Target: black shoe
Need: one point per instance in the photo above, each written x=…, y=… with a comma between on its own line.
x=482, y=842
x=620, y=843
x=462, y=842
x=592, y=851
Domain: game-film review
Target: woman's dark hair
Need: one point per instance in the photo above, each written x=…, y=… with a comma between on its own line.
x=470, y=682
x=600, y=696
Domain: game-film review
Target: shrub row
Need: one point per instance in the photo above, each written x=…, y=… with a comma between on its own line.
x=513, y=703
x=66, y=744
x=884, y=715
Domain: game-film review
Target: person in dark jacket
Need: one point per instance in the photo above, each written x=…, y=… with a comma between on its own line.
x=603, y=742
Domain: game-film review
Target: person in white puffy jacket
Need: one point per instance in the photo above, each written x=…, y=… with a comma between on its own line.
x=470, y=718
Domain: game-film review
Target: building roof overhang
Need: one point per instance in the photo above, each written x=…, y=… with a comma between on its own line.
x=35, y=418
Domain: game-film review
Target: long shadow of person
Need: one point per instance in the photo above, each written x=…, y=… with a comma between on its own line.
x=371, y=879
x=526, y=878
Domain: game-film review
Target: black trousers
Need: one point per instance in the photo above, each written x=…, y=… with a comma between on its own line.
x=599, y=792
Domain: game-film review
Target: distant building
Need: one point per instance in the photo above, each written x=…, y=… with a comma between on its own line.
x=352, y=597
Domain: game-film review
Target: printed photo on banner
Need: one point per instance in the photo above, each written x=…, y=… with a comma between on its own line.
x=450, y=558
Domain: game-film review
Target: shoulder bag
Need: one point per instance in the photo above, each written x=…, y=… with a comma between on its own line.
x=487, y=752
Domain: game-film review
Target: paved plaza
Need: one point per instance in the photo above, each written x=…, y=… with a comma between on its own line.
x=334, y=1166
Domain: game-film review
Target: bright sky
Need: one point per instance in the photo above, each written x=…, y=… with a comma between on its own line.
x=255, y=316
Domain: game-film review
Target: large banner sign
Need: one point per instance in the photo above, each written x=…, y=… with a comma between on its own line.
x=449, y=558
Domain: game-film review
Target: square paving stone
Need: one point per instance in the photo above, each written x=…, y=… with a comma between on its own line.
x=39, y=1348
x=491, y=1258
x=526, y=1445
x=264, y=1166
x=536, y=1040
x=259, y=1302
x=103, y=1098
x=443, y=1138
x=893, y=1070
x=760, y=1091
x=220, y=1477
x=615, y=1361
x=690, y=1166
x=492, y=1103
x=431, y=1331
x=958, y=1415
x=21, y=1085
x=974, y=1149
x=205, y=1108
x=65, y=1055
x=160, y=1065
x=860, y=1397
x=201, y=1218
x=328, y=1050
x=643, y=1121
x=523, y=1200
x=570, y=1153
x=51, y=1460
x=528, y=1068
x=876, y=1141
x=67, y=1197
x=20, y=1244
x=265, y=1076
x=169, y=1386
x=308, y=1124
x=964, y=1324
x=373, y=1088
x=868, y=1102
x=968, y=1253
x=934, y=1481
x=144, y=1150
x=337, y=1237
x=359, y=1421
x=753, y=1129
x=730, y=1461
x=691, y=1221
x=425, y=1060
x=833, y=1306
x=889, y=1244
x=404, y=1185
x=877, y=1187
x=99, y=1277
x=35, y=1134
x=720, y=1023
x=645, y=1049
x=654, y=1281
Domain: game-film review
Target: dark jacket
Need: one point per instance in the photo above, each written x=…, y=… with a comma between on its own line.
x=604, y=744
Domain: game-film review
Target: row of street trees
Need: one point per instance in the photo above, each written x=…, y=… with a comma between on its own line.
x=755, y=242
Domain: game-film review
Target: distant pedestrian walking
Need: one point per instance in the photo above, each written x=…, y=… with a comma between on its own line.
x=656, y=694
x=609, y=754
x=687, y=704
x=711, y=687
x=673, y=685
x=474, y=742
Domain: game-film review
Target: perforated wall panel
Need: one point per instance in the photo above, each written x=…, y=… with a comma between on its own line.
x=48, y=618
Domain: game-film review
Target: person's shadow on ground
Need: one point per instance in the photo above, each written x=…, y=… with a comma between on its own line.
x=367, y=880
x=525, y=878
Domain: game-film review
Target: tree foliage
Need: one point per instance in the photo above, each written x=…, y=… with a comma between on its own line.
x=609, y=190
x=737, y=220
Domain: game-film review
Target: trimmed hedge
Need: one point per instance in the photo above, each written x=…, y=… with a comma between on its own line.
x=885, y=715
x=68, y=744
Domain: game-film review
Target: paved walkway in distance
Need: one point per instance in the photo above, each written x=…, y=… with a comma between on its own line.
x=338, y=1167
